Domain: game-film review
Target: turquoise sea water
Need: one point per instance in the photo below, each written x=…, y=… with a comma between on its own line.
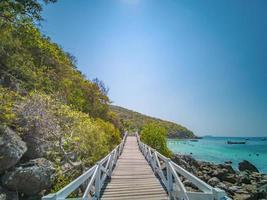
x=216, y=150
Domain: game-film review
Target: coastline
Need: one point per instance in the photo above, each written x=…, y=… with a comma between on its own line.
x=244, y=184
x=216, y=150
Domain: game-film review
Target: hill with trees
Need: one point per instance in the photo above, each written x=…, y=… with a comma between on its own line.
x=132, y=120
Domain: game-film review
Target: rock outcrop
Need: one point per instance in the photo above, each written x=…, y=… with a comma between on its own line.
x=31, y=177
x=36, y=148
x=246, y=165
x=7, y=195
x=214, y=181
x=12, y=148
x=239, y=185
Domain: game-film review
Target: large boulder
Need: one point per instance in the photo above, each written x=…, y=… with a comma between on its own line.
x=246, y=165
x=187, y=162
x=260, y=193
x=7, y=195
x=220, y=173
x=37, y=148
x=244, y=178
x=12, y=148
x=229, y=169
x=214, y=181
x=30, y=178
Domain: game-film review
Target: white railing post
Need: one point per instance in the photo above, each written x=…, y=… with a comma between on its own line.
x=153, y=163
x=169, y=178
x=98, y=181
x=112, y=157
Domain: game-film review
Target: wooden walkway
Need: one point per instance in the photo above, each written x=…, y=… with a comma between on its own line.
x=132, y=177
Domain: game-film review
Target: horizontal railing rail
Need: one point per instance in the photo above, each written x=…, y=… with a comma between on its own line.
x=93, y=179
x=171, y=174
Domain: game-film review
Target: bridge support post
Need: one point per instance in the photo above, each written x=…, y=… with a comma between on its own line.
x=112, y=157
x=98, y=181
x=153, y=161
x=169, y=179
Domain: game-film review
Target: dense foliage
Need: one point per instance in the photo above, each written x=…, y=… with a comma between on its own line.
x=61, y=115
x=60, y=129
x=30, y=61
x=19, y=10
x=132, y=120
x=154, y=135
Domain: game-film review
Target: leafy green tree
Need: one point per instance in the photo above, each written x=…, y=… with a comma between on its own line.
x=14, y=10
x=29, y=61
x=154, y=135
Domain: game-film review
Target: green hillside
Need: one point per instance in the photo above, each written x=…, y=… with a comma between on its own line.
x=132, y=120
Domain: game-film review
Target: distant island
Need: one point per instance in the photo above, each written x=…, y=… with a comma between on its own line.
x=135, y=121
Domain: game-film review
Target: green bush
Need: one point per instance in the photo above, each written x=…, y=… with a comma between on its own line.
x=30, y=61
x=8, y=99
x=65, y=129
x=154, y=136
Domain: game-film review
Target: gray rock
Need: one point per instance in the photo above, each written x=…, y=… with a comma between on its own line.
x=246, y=165
x=12, y=148
x=30, y=178
x=262, y=182
x=220, y=173
x=206, y=177
x=36, y=147
x=229, y=169
x=262, y=191
x=231, y=178
x=7, y=195
x=222, y=186
x=235, y=188
x=187, y=162
x=214, y=181
x=244, y=178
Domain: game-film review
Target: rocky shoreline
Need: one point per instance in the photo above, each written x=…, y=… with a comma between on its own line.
x=243, y=184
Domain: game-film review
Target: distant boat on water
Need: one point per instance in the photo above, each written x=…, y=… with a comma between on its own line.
x=194, y=140
x=236, y=142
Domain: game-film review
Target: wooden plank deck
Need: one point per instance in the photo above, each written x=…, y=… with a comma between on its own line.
x=132, y=177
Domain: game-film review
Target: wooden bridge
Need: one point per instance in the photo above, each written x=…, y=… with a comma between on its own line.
x=133, y=170
x=132, y=177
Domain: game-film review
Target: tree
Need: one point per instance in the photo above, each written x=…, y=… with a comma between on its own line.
x=19, y=10
x=154, y=136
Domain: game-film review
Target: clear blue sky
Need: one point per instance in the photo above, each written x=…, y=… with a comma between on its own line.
x=202, y=64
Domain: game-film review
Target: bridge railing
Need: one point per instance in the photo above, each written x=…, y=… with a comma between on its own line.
x=171, y=175
x=93, y=179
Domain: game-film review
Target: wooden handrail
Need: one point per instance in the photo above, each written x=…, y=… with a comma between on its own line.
x=169, y=173
x=94, y=177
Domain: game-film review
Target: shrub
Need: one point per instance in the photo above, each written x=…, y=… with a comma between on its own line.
x=154, y=135
x=8, y=99
x=64, y=130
